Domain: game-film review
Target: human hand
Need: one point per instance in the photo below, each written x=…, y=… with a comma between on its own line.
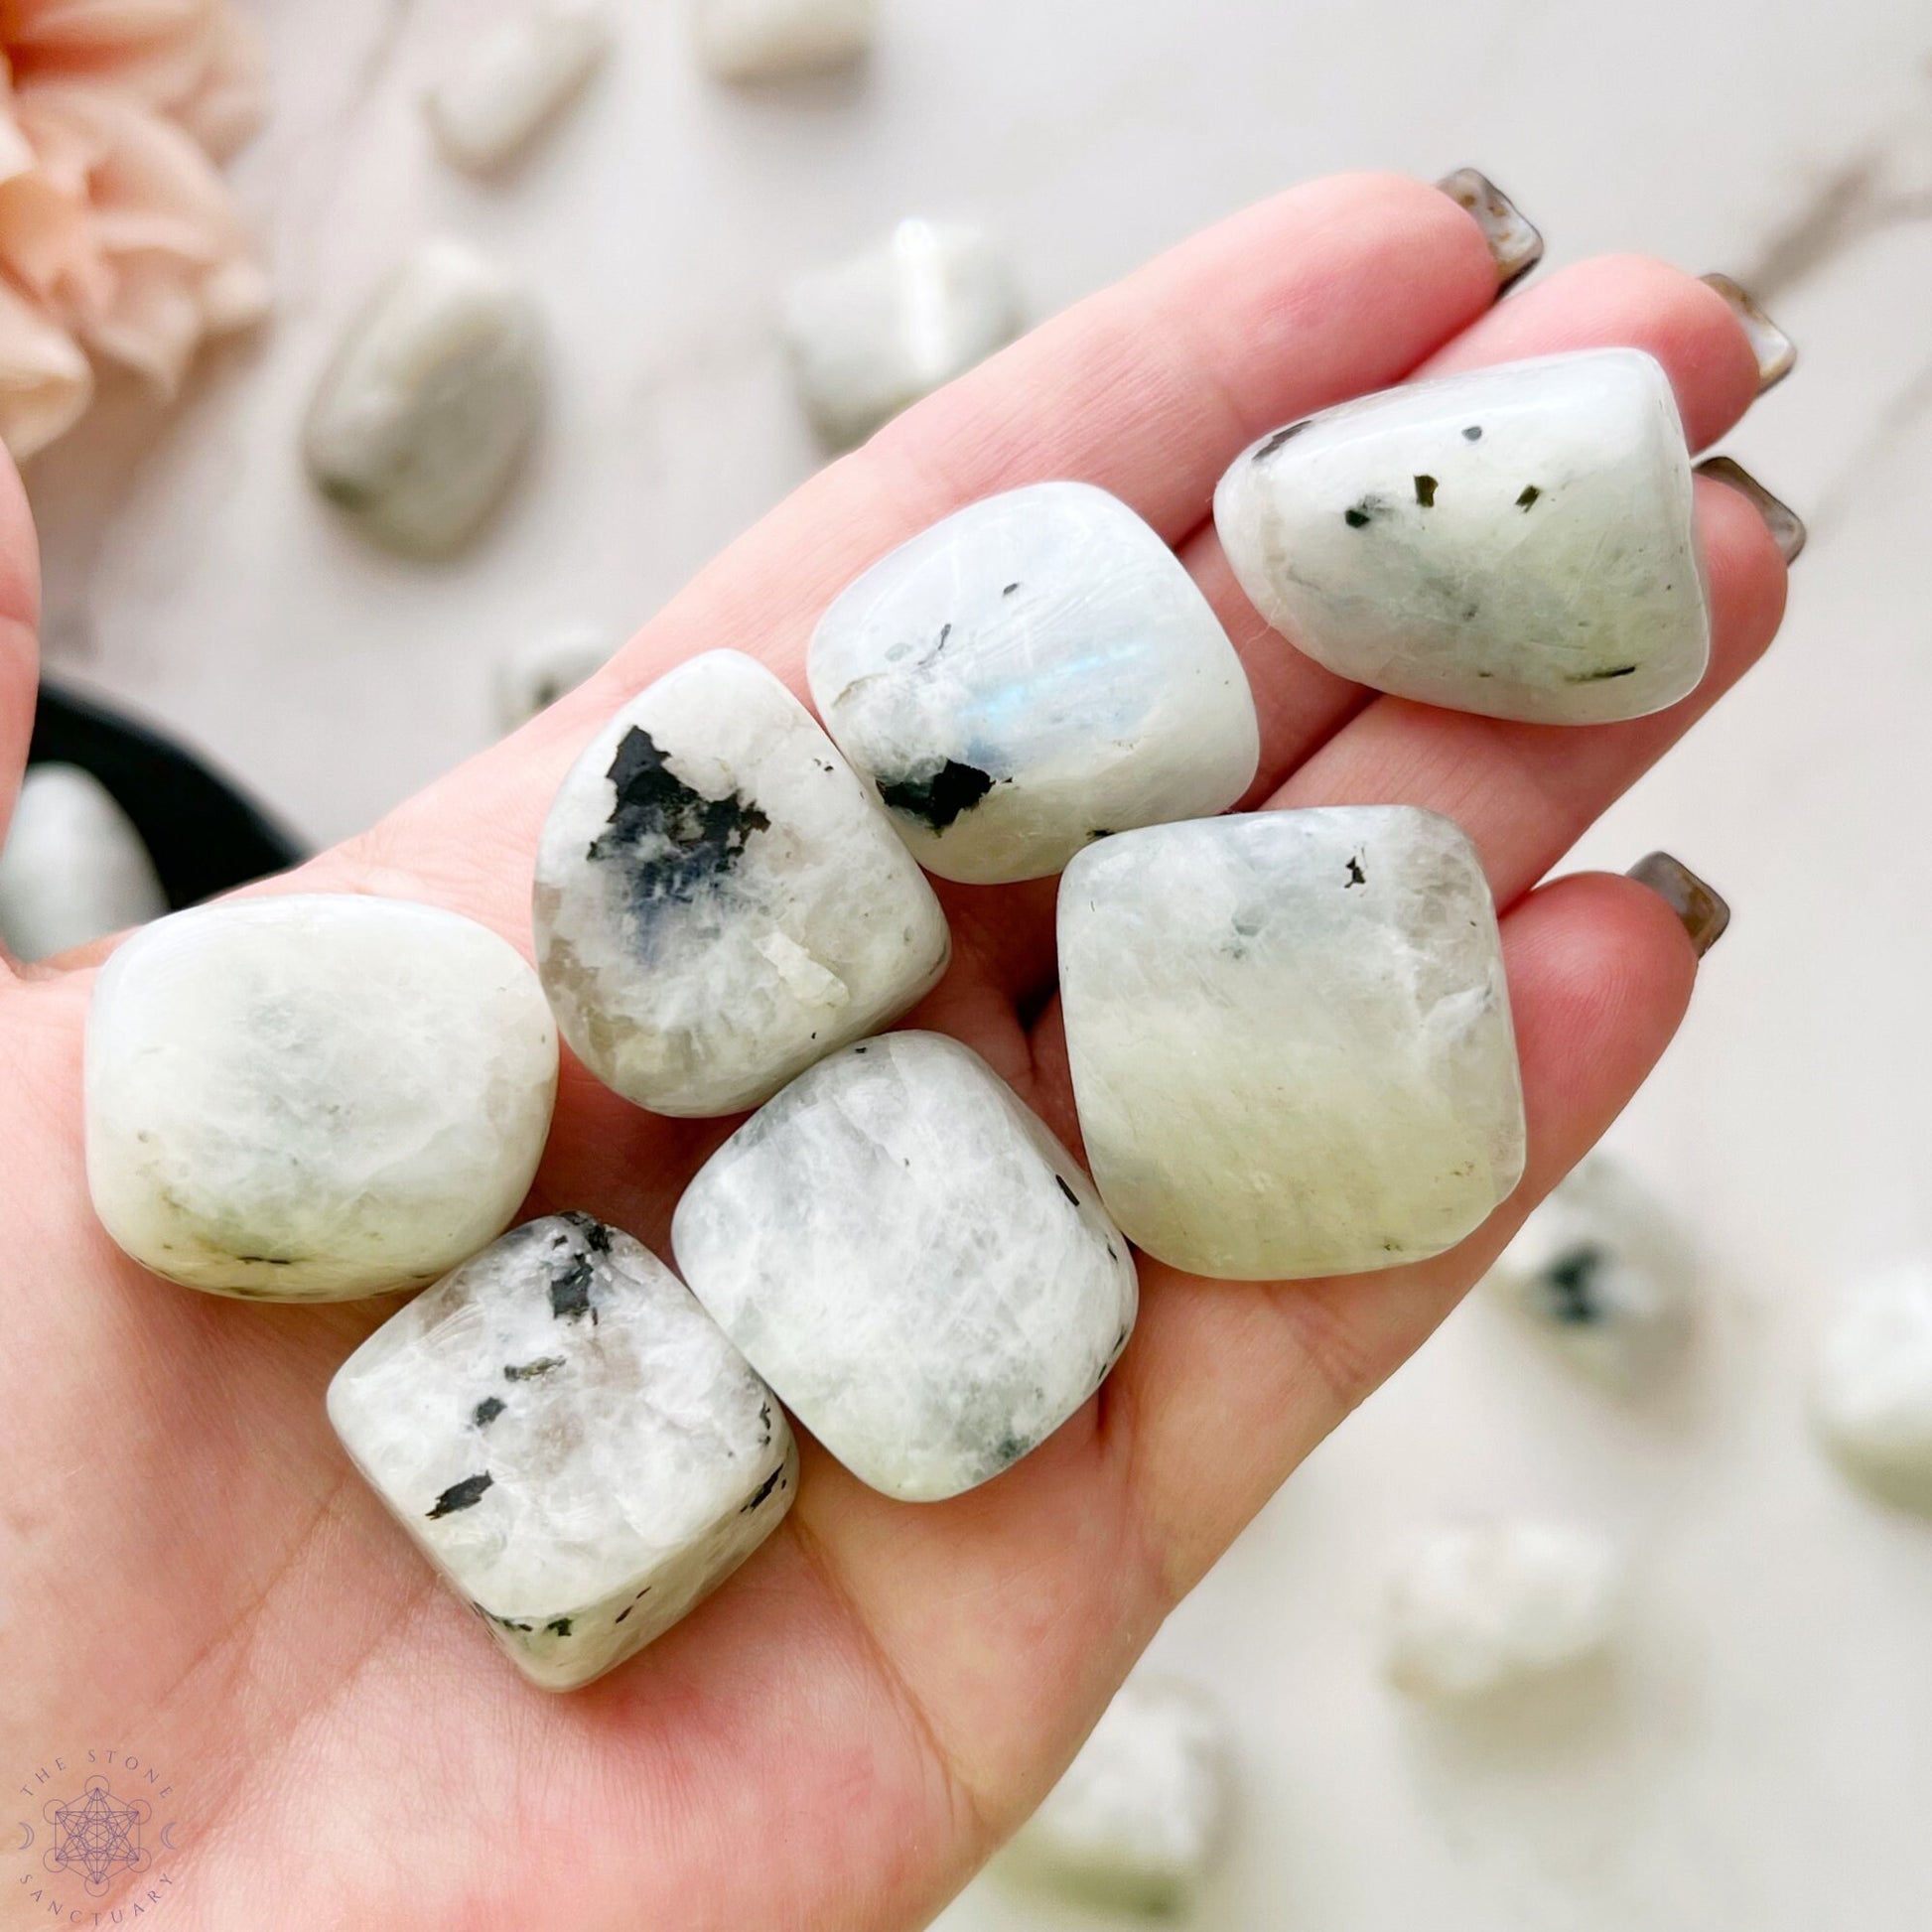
x=189, y=1567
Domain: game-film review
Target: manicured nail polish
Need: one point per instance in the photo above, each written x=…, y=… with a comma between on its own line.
x=1704, y=914
x=1776, y=352
x=1515, y=245
x=1785, y=524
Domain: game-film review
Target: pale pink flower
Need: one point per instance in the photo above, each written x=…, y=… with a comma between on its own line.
x=117, y=234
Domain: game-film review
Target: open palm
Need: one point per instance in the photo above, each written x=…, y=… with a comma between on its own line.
x=190, y=1571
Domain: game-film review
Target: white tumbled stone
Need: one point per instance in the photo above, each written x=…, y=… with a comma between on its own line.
x=1289, y=1038
x=567, y=1437
x=1872, y=1387
x=535, y=675
x=1516, y=540
x=1476, y=1607
x=430, y=400
x=513, y=78
x=311, y=1098
x=72, y=868
x=873, y=334
x=1604, y=1272
x=775, y=40
x=1031, y=674
x=1140, y=1816
x=719, y=901
x=913, y=1261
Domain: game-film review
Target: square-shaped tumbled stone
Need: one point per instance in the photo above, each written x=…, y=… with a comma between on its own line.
x=1517, y=541
x=1029, y=674
x=570, y=1441
x=719, y=901
x=1289, y=1038
x=913, y=1261
x=314, y=1097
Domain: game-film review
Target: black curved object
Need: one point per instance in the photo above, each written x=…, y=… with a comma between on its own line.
x=204, y=835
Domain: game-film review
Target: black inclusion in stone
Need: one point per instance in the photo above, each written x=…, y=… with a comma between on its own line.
x=1355, y=517
x=1356, y=875
x=1280, y=437
x=1598, y=677
x=656, y=810
x=940, y=796
x=530, y=1371
x=558, y=1626
x=1060, y=1181
x=570, y=1288
x=487, y=1410
x=1426, y=491
x=461, y=1495
x=1474, y=434
x=597, y=1237
x=764, y=1490
x=1529, y=495
x=1573, y=1287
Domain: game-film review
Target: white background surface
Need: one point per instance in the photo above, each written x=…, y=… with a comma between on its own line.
x=1764, y=1757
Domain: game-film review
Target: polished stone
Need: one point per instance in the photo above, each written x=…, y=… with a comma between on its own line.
x=1477, y=1608
x=515, y=78
x=1138, y=1817
x=567, y=1437
x=871, y=333
x=72, y=868
x=1289, y=1038
x=1034, y=672
x=777, y=40
x=1516, y=540
x=1872, y=1387
x=719, y=901
x=311, y=1098
x=917, y=1266
x=1606, y=1273
x=425, y=411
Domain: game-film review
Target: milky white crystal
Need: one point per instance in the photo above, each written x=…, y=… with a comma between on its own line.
x=72, y=867
x=1289, y=1038
x=1604, y=1271
x=773, y=40
x=535, y=675
x=513, y=77
x=312, y=1098
x=568, y=1438
x=1872, y=1388
x=917, y=1266
x=719, y=901
x=431, y=398
x=1517, y=540
x=874, y=333
x=1031, y=672
x=1135, y=1822
x=1474, y=1607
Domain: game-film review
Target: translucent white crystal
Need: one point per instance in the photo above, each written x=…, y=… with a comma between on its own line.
x=1517, y=541
x=1604, y=1271
x=72, y=868
x=772, y=40
x=431, y=399
x=1139, y=1815
x=569, y=1438
x=915, y=1264
x=535, y=675
x=1034, y=671
x=1289, y=1038
x=313, y=1098
x=514, y=76
x=1474, y=1607
x=719, y=901
x=874, y=333
x=1872, y=1390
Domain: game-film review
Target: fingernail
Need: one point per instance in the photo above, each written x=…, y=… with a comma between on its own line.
x=1776, y=352
x=1515, y=246
x=1786, y=526
x=1702, y=913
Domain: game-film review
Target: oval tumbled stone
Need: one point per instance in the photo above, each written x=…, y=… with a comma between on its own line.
x=1034, y=672
x=719, y=901
x=1517, y=541
x=314, y=1097
x=1289, y=1038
